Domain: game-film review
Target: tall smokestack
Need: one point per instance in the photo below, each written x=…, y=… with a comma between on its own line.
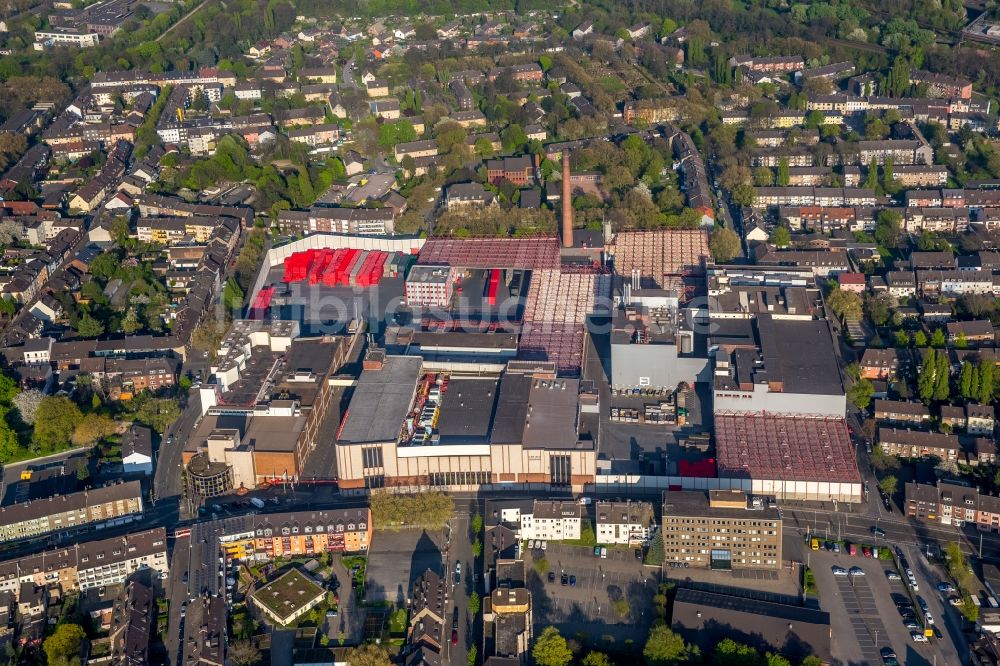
x=567, y=203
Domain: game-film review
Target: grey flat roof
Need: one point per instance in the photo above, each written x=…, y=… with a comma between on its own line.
x=467, y=410
x=512, y=408
x=800, y=354
x=551, y=422
x=381, y=400
x=694, y=503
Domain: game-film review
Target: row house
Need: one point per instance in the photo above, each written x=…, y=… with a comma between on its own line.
x=822, y=263
x=941, y=85
x=919, y=444
x=299, y=534
x=651, y=111
x=919, y=175
x=935, y=198
x=827, y=219
x=317, y=135
x=170, y=230
x=937, y=220
x=108, y=505
x=123, y=378
x=900, y=151
x=793, y=157
x=833, y=71
x=809, y=176
x=954, y=283
x=518, y=170
x=769, y=64
x=976, y=333
x=362, y=221
x=415, y=149
x=902, y=412
x=88, y=565
x=814, y=196
x=880, y=363
x=953, y=504
x=552, y=521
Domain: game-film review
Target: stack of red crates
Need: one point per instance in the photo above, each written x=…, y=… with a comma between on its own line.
x=297, y=266
x=371, y=270
x=320, y=261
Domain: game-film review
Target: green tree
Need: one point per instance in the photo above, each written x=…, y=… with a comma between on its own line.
x=477, y=547
x=888, y=484
x=860, y=393
x=131, y=323
x=920, y=339
x=232, y=295
x=986, y=381
x=545, y=61
x=937, y=338
x=665, y=648
x=10, y=447
x=475, y=603
x=781, y=237
x=967, y=375
x=772, y=659
x=472, y=655
x=845, y=304
x=925, y=379
x=783, y=173
x=871, y=180
x=942, y=376
x=724, y=244
x=369, y=654
x=961, y=342
x=888, y=227
x=743, y=194
x=731, y=653
x=64, y=645
x=550, y=649
x=513, y=137
x=88, y=327
x=8, y=389
x=812, y=660
x=901, y=339
x=93, y=428
x=596, y=659
x=57, y=418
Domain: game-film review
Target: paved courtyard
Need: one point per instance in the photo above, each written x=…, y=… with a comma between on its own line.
x=396, y=559
x=587, y=610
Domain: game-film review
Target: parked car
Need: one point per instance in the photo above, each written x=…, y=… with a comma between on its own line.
x=839, y=571
x=918, y=637
x=852, y=550
x=552, y=576
x=564, y=580
x=597, y=551
x=892, y=575
x=836, y=548
x=856, y=571
x=867, y=551
x=945, y=587
x=878, y=531
x=572, y=581
x=911, y=625
x=454, y=636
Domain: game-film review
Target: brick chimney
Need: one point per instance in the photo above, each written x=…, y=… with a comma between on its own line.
x=567, y=203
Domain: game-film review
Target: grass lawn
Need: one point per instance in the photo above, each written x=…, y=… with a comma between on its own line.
x=397, y=622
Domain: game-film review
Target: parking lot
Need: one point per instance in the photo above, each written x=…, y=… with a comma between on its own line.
x=863, y=614
x=396, y=559
x=589, y=605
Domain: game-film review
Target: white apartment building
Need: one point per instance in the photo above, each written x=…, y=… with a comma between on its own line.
x=626, y=523
x=552, y=521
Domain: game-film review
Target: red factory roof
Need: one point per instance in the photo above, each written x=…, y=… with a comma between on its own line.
x=557, y=343
x=524, y=253
x=784, y=447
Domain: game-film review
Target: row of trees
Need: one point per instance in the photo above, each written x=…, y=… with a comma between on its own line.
x=663, y=647
x=428, y=510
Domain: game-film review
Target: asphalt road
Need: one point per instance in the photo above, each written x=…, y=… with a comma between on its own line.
x=167, y=482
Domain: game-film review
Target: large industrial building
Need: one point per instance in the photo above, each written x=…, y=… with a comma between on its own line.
x=791, y=368
x=269, y=398
x=408, y=427
x=795, y=457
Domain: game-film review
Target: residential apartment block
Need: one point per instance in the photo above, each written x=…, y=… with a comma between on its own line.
x=953, y=504
x=552, y=521
x=919, y=444
x=111, y=504
x=625, y=523
x=723, y=529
